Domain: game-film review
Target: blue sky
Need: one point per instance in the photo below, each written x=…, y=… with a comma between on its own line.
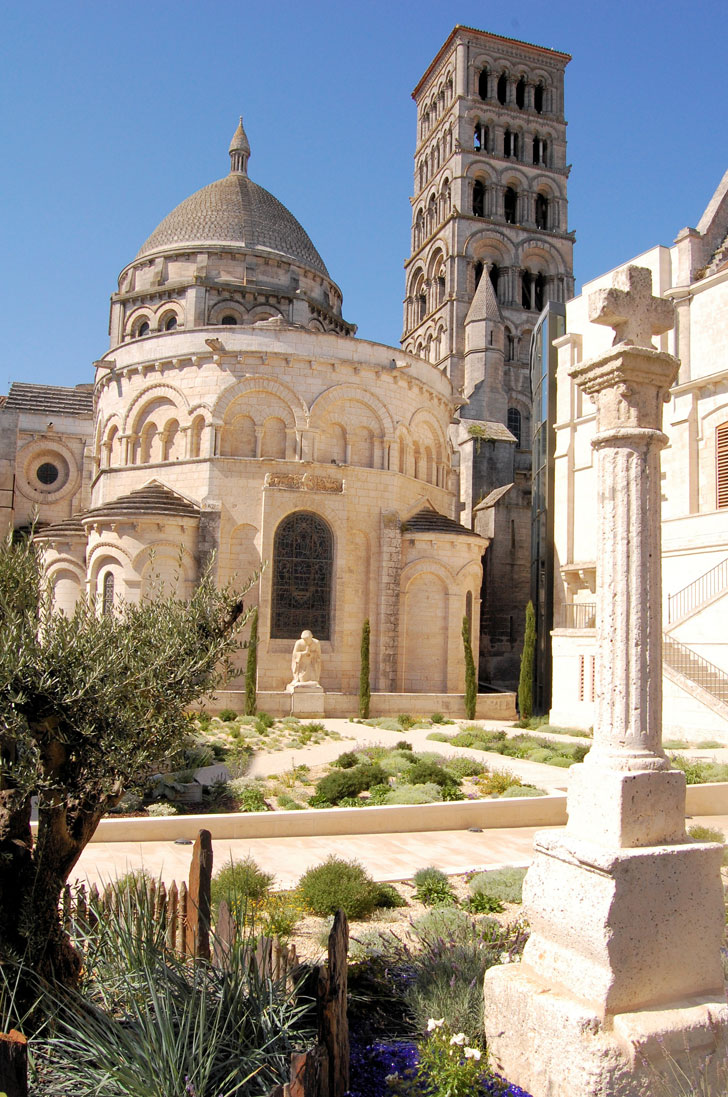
x=111, y=114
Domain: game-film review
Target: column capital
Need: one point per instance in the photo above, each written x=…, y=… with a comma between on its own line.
x=628, y=385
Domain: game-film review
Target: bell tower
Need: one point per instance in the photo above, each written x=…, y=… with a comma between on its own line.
x=490, y=202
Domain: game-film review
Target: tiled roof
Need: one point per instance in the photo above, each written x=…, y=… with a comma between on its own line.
x=51, y=399
x=431, y=521
x=68, y=527
x=151, y=499
x=235, y=210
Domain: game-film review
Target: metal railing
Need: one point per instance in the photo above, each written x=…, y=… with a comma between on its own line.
x=695, y=594
x=578, y=615
x=687, y=662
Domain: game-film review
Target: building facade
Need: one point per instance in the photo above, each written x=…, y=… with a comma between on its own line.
x=490, y=246
x=236, y=423
x=693, y=273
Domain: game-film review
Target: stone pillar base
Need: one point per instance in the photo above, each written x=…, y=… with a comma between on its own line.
x=623, y=961
x=307, y=699
x=554, y=1046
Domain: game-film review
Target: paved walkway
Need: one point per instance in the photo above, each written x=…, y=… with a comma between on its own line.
x=385, y=856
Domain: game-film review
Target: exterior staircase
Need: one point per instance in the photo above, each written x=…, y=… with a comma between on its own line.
x=697, y=595
x=684, y=661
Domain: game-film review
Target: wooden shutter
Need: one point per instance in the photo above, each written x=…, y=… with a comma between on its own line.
x=721, y=453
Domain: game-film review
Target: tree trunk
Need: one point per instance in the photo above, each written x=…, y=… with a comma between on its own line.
x=16, y=866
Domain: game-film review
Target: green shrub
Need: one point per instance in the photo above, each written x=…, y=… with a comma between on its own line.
x=365, y=693
x=161, y=808
x=203, y=719
x=396, y=762
x=463, y=767
x=414, y=794
x=540, y=754
x=437, y=718
x=528, y=658
x=249, y=797
x=378, y=793
x=706, y=744
x=341, y=783
x=432, y=887
x=424, y=772
x=505, y=884
x=263, y=722
x=251, y=667
x=674, y=744
x=452, y=793
x=338, y=885
x=522, y=790
x=497, y=781
x=406, y=721
x=240, y=883
x=288, y=803
x=279, y=914
x=346, y=760
x=403, y=745
x=481, y=903
x=228, y=715
x=706, y=834
x=471, y=681
x=388, y=898
x=440, y=737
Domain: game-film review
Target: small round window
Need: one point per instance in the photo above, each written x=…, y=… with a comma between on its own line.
x=47, y=473
x=229, y=319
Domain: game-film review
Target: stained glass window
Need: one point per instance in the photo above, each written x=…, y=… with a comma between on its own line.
x=303, y=556
x=107, y=599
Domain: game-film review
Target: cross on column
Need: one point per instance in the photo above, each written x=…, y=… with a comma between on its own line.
x=629, y=307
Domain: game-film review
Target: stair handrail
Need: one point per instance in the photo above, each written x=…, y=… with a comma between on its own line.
x=695, y=594
x=705, y=667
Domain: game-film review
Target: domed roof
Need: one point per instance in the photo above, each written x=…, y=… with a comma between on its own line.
x=235, y=210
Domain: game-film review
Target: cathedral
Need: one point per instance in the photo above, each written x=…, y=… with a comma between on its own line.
x=237, y=423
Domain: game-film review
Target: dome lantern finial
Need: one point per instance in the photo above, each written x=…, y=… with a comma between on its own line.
x=239, y=150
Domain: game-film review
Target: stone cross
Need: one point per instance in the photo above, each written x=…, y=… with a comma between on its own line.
x=629, y=307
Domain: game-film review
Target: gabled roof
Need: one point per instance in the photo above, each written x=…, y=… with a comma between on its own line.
x=154, y=498
x=51, y=399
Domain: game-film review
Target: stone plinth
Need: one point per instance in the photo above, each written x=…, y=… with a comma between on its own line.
x=307, y=699
x=627, y=917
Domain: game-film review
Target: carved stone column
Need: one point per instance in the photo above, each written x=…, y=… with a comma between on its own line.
x=607, y=983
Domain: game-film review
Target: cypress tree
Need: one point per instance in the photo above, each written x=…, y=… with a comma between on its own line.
x=471, y=683
x=525, y=680
x=251, y=667
x=365, y=693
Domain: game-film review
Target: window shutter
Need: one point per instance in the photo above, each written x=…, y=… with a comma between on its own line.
x=721, y=452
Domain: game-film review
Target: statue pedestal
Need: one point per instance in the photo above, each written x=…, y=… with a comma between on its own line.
x=307, y=699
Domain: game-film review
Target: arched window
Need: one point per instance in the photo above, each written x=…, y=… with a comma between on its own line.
x=502, y=92
x=526, y=280
x=478, y=271
x=721, y=464
x=230, y=320
x=510, y=199
x=478, y=198
x=538, y=98
x=510, y=345
x=483, y=84
x=542, y=211
x=494, y=275
x=303, y=558
x=510, y=144
x=143, y=328
x=521, y=93
x=513, y=423
x=539, y=150
x=539, y=292
x=107, y=594
x=477, y=137
x=170, y=324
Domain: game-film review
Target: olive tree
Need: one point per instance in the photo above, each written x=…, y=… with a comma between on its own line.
x=88, y=702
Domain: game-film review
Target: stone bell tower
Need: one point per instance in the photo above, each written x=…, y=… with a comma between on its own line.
x=490, y=206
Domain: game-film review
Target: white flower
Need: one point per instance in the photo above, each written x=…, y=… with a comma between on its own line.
x=472, y=1053
x=458, y=1038
x=432, y=1024
x=505, y=958
x=391, y=1079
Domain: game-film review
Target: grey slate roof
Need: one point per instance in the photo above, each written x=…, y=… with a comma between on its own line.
x=51, y=399
x=151, y=499
x=235, y=210
x=431, y=521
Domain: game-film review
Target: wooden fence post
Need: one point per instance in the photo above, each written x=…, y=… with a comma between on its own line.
x=13, y=1064
x=333, y=1025
x=198, y=897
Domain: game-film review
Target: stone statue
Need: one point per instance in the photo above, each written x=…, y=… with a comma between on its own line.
x=306, y=660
